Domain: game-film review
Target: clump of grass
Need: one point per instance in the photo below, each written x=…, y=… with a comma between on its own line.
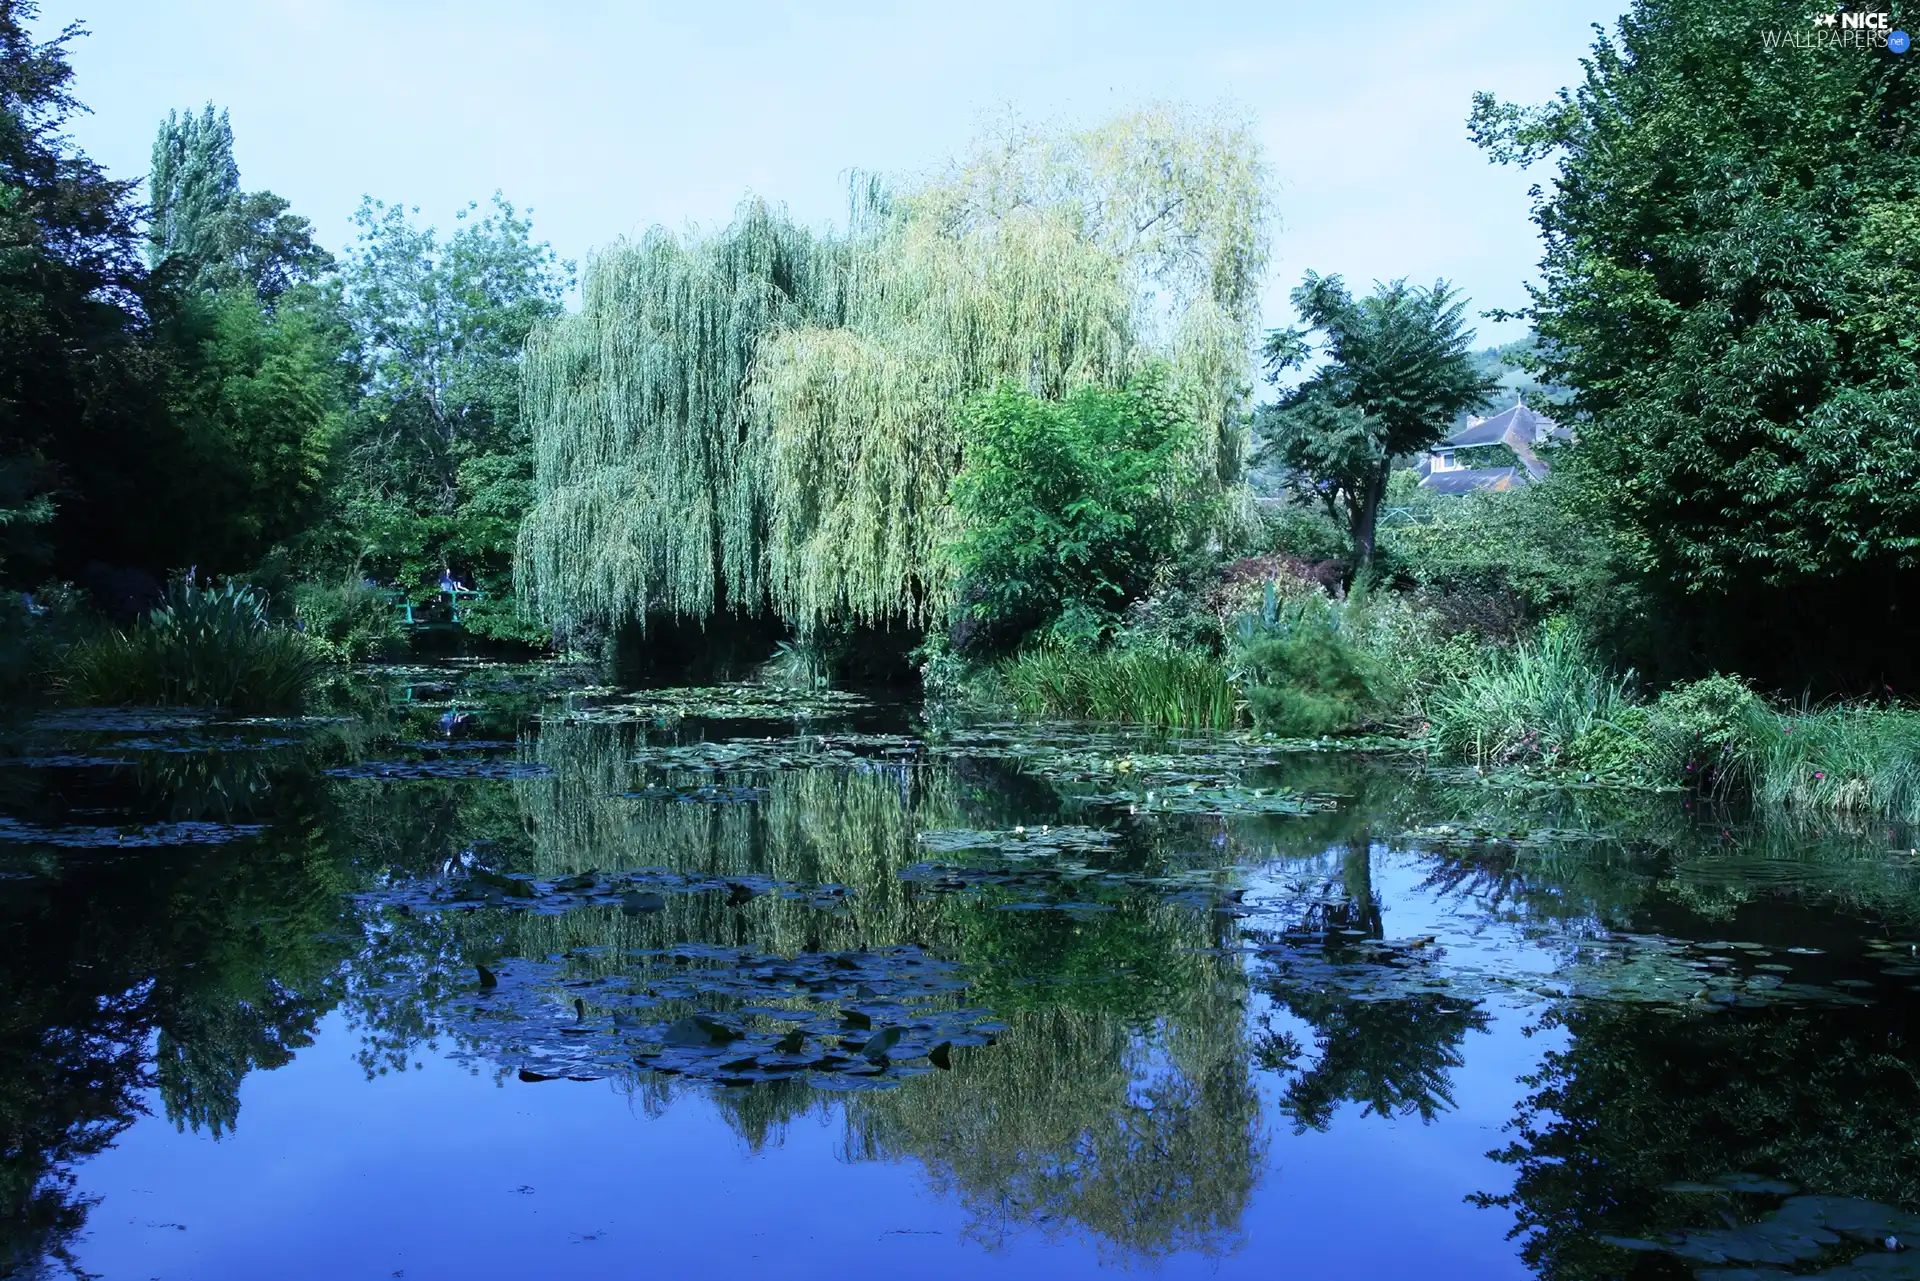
x=1532, y=702
x=1844, y=759
x=1136, y=685
x=805, y=662
x=204, y=646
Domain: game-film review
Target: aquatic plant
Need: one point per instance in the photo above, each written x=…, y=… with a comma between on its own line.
x=1533, y=701
x=203, y=646
x=1140, y=686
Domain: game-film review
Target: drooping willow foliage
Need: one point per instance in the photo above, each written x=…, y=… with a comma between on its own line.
x=648, y=498
x=765, y=419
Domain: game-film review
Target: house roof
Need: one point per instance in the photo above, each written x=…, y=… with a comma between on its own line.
x=1520, y=420
x=1468, y=480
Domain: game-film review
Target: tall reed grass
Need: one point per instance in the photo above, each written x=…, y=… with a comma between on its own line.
x=1845, y=759
x=1536, y=700
x=1553, y=700
x=204, y=646
x=1144, y=686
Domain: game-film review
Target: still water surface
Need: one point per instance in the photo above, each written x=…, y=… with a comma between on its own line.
x=492, y=973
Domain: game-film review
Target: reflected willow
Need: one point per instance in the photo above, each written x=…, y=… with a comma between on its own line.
x=1079, y=1120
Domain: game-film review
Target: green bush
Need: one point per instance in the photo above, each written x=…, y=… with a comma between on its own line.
x=1704, y=734
x=1501, y=563
x=202, y=647
x=1535, y=701
x=1302, y=530
x=350, y=621
x=1306, y=667
x=1066, y=509
x=1144, y=686
x=34, y=631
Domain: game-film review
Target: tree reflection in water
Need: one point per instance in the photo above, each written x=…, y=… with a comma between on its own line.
x=1642, y=1098
x=1123, y=1098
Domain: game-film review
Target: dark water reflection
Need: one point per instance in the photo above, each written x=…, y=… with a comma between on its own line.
x=1433, y=1025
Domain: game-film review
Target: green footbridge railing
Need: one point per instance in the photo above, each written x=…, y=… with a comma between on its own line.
x=454, y=597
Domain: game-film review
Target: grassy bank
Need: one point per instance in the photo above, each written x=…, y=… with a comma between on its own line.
x=1550, y=704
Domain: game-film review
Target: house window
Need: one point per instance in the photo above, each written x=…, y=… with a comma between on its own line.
x=1446, y=462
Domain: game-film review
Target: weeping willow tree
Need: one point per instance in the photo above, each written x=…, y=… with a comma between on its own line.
x=765, y=419
x=647, y=495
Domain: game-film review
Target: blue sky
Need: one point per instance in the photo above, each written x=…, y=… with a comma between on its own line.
x=610, y=117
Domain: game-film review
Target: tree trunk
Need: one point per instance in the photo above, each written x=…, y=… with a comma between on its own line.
x=1366, y=515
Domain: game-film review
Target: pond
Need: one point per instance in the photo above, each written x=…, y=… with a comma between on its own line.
x=492, y=972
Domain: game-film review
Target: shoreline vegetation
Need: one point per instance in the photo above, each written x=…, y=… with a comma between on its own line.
x=1007, y=413
x=1545, y=711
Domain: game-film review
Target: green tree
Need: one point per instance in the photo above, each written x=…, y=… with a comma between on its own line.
x=1731, y=284
x=254, y=381
x=1065, y=508
x=762, y=422
x=80, y=423
x=194, y=181
x=435, y=467
x=259, y=396
x=215, y=235
x=1399, y=371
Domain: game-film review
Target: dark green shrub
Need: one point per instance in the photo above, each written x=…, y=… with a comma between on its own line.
x=35, y=629
x=1705, y=734
x=1499, y=564
x=352, y=620
x=1303, y=531
x=204, y=646
x=1305, y=667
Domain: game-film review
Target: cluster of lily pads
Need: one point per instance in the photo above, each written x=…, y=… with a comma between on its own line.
x=475, y=885
x=1679, y=975
x=800, y=751
x=1136, y=772
x=710, y=702
x=455, y=769
x=1857, y=1240
x=1356, y=965
x=132, y=836
x=838, y=1020
x=1471, y=837
x=1051, y=868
